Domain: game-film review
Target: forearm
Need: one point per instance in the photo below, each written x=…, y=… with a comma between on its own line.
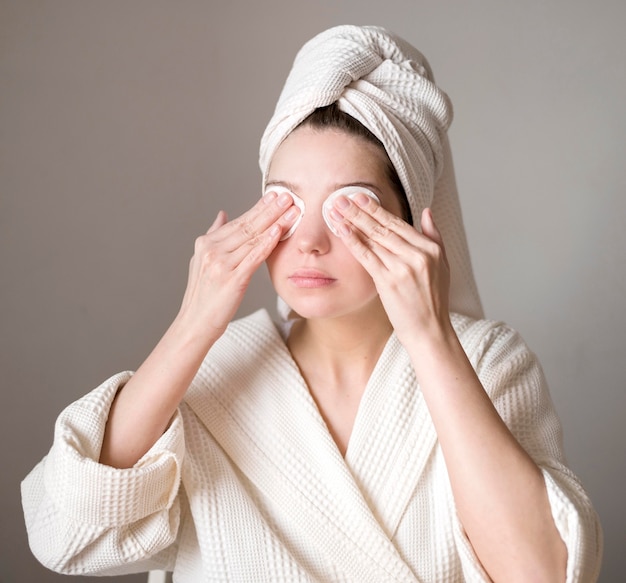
x=224, y=260
x=144, y=407
x=499, y=491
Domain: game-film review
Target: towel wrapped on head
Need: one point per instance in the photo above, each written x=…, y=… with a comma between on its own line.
x=387, y=85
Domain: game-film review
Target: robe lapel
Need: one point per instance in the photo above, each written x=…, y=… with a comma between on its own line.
x=392, y=439
x=252, y=398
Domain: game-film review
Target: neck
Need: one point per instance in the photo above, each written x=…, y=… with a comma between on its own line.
x=341, y=349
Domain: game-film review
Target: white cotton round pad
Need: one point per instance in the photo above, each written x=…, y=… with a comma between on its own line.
x=296, y=201
x=350, y=192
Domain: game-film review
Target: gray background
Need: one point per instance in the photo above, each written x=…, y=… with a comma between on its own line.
x=126, y=125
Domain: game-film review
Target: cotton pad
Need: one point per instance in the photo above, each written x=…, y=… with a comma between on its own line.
x=350, y=192
x=296, y=201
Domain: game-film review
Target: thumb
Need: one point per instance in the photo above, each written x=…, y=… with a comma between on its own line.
x=430, y=230
x=220, y=219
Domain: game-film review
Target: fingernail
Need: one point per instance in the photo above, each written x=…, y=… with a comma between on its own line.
x=362, y=199
x=274, y=230
x=335, y=216
x=269, y=196
x=344, y=230
x=285, y=199
x=292, y=213
x=342, y=202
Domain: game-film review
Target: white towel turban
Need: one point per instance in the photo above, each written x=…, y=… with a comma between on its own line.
x=387, y=85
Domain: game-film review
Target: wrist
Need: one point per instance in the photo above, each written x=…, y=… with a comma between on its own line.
x=429, y=336
x=192, y=328
x=184, y=344
x=436, y=353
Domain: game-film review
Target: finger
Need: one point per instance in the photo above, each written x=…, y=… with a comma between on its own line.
x=220, y=219
x=430, y=230
x=428, y=226
x=243, y=260
x=229, y=267
x=375, y=258
x=386, y=236
x=245, y=229
x=224, y=239
x=248, y=258
x=379, y=261
x=375, y=222
x=361, y=249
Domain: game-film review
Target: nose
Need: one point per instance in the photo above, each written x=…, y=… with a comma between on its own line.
x=312, y=234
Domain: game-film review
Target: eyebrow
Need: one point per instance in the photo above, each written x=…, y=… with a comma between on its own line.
x=288, y=185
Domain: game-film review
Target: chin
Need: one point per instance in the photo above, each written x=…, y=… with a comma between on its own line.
x=323, y=309
x=309, y=312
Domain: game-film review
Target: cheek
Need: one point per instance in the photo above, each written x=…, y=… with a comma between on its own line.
x=351, y=268
x=273, y=261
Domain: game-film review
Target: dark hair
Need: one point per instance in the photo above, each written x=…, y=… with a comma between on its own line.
x=331, y=117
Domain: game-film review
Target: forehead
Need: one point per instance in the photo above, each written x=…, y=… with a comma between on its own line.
x=314, y=163
x=328, y=152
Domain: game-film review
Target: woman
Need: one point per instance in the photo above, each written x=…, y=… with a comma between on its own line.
x=383, y=431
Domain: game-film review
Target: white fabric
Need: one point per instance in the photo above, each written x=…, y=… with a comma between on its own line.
x=387, y=85
x=247, y=484
x=158, y=577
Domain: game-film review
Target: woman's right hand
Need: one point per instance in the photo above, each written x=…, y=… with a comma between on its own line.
x=226, y=257
x=223, y=263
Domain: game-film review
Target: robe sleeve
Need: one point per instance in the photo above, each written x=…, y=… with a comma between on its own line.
x=515, y=382
x=84, y=517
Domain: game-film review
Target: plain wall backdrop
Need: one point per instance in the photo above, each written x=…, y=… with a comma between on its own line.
x=126, y=125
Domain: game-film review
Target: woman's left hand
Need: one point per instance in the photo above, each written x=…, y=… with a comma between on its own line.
x=409, y=268
x=484, y=461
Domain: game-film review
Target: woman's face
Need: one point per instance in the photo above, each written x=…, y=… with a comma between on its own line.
x=313, y=271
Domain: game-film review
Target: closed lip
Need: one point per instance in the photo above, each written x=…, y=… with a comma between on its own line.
x=311, y=278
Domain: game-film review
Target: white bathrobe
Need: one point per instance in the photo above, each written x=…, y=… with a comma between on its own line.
x=247, y=484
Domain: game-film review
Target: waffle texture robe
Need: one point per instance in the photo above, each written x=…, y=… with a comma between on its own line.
x=248, y=485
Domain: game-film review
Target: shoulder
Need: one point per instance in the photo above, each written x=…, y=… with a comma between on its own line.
x=492, y=344
x=478, y=335
x=509, y=370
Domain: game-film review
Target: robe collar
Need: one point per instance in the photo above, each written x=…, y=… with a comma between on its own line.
x=250, y=395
